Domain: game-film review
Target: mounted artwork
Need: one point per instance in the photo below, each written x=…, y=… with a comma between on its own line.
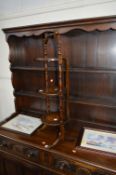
x=23, y=123
x=99, y=140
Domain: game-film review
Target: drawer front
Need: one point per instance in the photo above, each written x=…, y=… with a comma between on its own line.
x=64, y=166
x=53, y=161
x=101, y=172
x=19, y=149
x=69, y=167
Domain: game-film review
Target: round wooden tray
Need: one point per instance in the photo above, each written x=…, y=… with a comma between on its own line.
x=52, y=119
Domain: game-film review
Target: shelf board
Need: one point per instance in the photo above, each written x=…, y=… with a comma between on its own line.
x=71, y=69
x=27, y=68
x=49, y=93
x=28, y=94
x=33, y=94
x=92, y=70
x=110, y=103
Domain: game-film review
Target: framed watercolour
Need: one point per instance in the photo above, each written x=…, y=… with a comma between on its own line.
x=99, y=140
x=23, y=123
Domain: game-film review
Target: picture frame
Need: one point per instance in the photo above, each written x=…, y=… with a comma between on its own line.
x=97, y=139
x=22, y=123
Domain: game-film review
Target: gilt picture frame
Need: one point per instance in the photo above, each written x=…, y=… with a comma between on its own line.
x=101, y=140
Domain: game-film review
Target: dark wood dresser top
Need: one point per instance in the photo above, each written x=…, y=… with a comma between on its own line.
x=89, y=47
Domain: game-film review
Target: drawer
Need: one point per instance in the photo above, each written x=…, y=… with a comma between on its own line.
x=19, y=149
x=69, y=167
x=101, y=172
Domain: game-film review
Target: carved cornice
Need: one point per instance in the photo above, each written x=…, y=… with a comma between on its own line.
x=92, y=24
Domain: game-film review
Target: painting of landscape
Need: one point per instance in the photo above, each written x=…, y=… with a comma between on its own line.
x=23, y=123
x=100, y=140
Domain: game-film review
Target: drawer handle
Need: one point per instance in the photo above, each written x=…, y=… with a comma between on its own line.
x=31, y=154
x=3, y=145
x=84, y=171
x=63, y=165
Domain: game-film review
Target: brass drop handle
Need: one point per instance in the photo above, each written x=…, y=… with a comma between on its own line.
x=63, y=165
x=84, y=171
x=1, y=144
x=4, y=144
x=30, y=154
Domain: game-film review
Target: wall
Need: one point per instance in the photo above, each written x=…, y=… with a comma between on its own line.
x=26, y=12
